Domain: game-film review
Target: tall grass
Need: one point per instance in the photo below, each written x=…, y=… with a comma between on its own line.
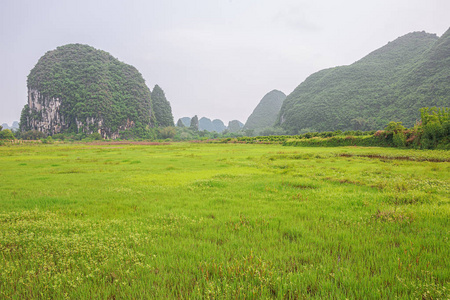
x=223, y=221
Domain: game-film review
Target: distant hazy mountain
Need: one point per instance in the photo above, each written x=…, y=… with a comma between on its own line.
x=235, y=126
x=13, y=127
x=266, y=112
x=205, y=124
x=218, y=125
x=185, y=120
x=390, y=84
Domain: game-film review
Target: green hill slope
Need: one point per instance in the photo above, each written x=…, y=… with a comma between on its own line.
x=266, y=112
x=389, y=84
x=161, y=108
x=77, y=88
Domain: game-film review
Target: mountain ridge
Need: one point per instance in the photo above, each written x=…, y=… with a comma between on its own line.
x=367, y=94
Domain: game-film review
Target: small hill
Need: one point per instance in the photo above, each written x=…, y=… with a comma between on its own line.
x=389, y=84
x=214, y=125
x=161, y=108
x=186, y=121
x=219, y=127
x=266, y=112
x=77, y=88
x=205, y=124
x=235, y=126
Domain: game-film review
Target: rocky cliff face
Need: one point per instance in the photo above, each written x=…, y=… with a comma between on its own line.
x=44, y=114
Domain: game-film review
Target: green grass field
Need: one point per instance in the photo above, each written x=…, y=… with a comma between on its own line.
x=223, y=221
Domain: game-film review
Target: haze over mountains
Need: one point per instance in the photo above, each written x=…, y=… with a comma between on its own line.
x=211, y=126
x=390, y=84
x=14, y=126
x=77, y=88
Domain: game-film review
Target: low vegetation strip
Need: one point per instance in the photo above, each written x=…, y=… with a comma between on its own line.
x=223, y=221
x=413, y=158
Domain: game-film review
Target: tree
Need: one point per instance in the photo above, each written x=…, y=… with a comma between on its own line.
x=435, y=127
x=161, y=108
x=194, y=123
x=6, y=134
x=180, y=123
x=167, y=132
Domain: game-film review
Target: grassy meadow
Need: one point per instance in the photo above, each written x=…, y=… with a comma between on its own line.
x=221, y=221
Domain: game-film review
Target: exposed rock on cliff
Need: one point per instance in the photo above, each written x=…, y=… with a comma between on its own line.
x=77, y=88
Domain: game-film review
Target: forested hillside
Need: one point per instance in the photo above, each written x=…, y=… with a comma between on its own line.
x=266, y=112
x=161, y=108
x=79, y=88
x=390, y=84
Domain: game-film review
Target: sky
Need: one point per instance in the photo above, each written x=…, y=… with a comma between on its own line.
x=212, y=58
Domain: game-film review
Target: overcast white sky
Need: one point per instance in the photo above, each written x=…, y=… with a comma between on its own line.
x=213, y=58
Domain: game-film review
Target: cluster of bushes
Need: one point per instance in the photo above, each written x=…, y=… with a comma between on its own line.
x=431, y=132
x=274, y=139
x=5, y=135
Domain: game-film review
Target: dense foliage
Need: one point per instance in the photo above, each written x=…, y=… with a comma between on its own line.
x=6, y=134
x=91, y=84
x=194, y=123
x=265, y=113
x=390, y=84
x=431, y=132
x=180, y=123
x=161, y=108
x=235, y=126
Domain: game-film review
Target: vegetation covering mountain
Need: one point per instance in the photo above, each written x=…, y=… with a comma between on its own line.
x=194, y=123
x=266, y=112
x=79, y=88
x=390, y=84
x=235, y=126
x=161, y=108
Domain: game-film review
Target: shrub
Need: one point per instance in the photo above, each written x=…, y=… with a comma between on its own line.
x=6, y=134
x=399, y=139
x=33, y=135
